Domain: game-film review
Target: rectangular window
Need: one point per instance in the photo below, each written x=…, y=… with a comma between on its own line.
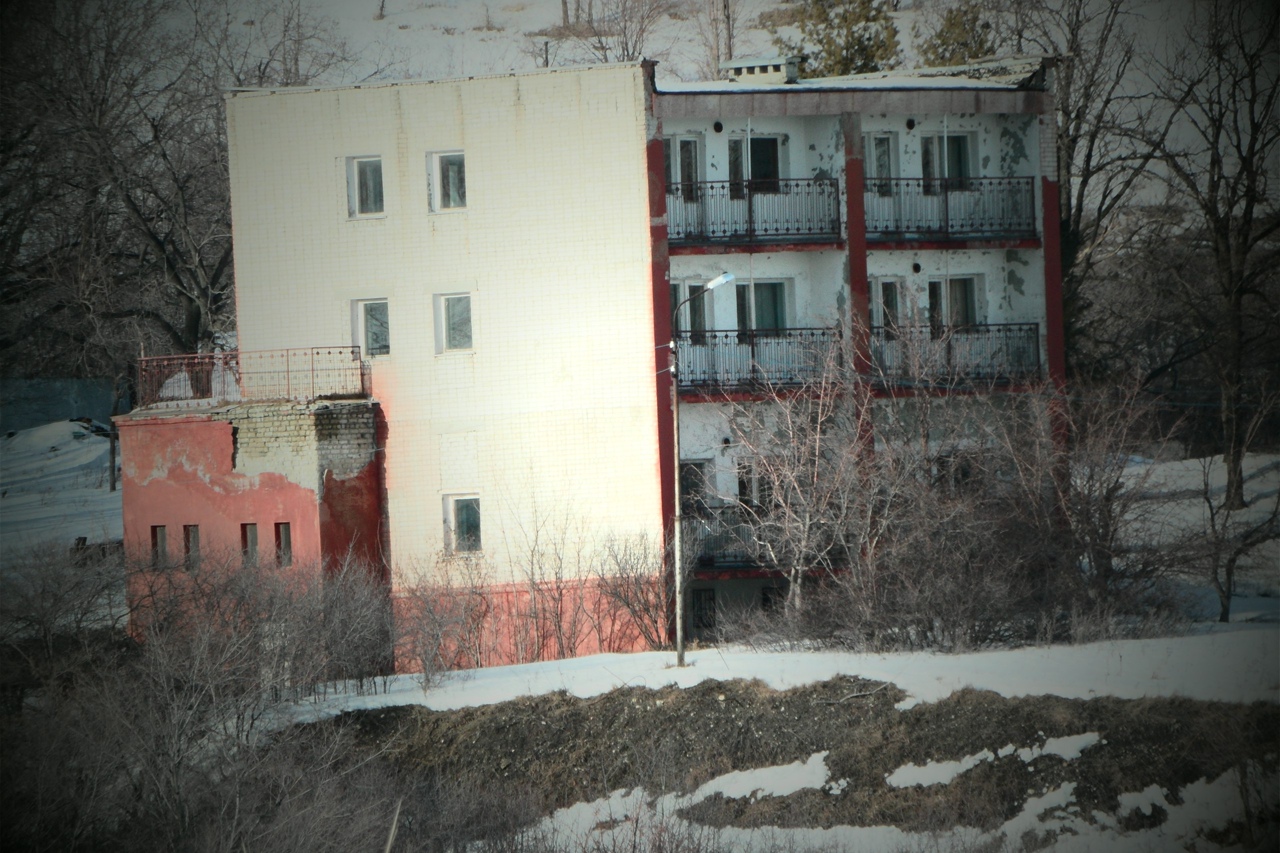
x=773, y=599
x=879, y=157
x=754, y=164
x=755, y=490
x=284, y=544
x=703, y=605
x=692, y=315
x=953, y=304
x=462, y=523
x=680, y=156
x=159, y=546
x=191, y=545
x=453, y=322
x=249, y=544
x=886, y=306
x=695, y=488
x=364, y=186
x=762, y=307
x=448, y=181
x=946, y=162
x=373, y=322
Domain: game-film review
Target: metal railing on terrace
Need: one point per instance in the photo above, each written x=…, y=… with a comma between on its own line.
x=777, y=210
x=949, y=208
x=225, y=377
x=747, y=358
x=1001, y=352
x=720, y=536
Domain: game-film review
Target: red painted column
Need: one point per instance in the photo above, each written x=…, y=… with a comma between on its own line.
x=856, y=223
x=1055, y=342
x=660, y=281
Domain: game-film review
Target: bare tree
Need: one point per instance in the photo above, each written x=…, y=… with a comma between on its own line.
x=717, y=23
x=1222, y=87
x=114, y=144
x=620, y=30
x=1101, y=165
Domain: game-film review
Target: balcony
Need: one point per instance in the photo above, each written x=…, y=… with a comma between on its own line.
x=727, y=360
x=720, y=536
x=701, y=213
x=1003, y=352
x=950, y=208
x=187, y=381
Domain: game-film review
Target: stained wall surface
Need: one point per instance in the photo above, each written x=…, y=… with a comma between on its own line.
x=549, y=416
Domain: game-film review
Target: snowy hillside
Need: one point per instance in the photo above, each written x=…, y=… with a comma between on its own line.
x=55, y=486
x=462, y=38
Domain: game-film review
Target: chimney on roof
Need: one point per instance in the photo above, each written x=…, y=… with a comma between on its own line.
x=764, y=69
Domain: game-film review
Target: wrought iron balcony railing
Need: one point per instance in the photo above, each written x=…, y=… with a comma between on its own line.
x=757, y=211
x=720, y=536
x=949, y=208
x=1002, y=352
x=752, y=358
x=223, y=377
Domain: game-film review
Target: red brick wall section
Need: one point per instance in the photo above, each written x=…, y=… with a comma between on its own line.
x=178, y=471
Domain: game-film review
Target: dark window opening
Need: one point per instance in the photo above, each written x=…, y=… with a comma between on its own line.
x=159, y=545
x=703, y=612
x=284, y=544
x=466, y=519
x=249, y=544
x=694, y=489
x=191, y=545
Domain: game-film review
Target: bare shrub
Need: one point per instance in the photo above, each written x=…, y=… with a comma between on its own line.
x=49, y=597
x=630, y=575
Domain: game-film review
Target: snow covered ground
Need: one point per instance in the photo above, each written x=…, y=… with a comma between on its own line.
x=1228, y=663
x=55, y=486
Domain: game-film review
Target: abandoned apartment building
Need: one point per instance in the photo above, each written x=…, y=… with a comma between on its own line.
x=455, y=300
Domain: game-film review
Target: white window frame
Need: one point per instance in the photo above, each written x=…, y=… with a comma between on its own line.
x=700, y=306
x=450, y=505
x=360, y=326
x=937, y=146
x=871, y=167
x=877, y=301
x=435, y=179
x=353, y=188
x=679, y=183
x=747, y=179
x=944, y=302
x=443, y=344
x=749, y=287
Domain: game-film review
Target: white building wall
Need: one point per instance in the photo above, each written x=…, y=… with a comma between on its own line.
x=551, y=414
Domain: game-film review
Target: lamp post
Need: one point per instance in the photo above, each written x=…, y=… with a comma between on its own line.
x=677, y=555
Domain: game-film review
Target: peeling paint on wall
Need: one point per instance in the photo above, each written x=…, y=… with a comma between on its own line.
x=1013, y=144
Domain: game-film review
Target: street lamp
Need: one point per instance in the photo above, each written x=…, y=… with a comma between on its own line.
x=677, y=555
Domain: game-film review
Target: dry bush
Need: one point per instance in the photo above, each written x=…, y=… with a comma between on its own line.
x=630, y=575
x=952, y=514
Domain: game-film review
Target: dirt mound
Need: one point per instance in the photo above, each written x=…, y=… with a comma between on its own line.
x=672, y=740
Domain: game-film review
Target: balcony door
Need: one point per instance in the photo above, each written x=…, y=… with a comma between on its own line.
x=697, y=353
x=764, y=345
x=948, y=168
x=955, y=333
x=882, y=204
x=755, y=178
x=683, y=158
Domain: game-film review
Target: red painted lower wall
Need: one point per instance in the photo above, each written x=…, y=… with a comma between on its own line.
x=178, y=471
x=497, y=625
